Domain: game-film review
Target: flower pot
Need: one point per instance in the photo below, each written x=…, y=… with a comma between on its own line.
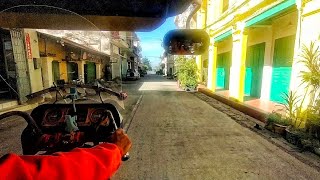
x=279, y=129
x=292, y=137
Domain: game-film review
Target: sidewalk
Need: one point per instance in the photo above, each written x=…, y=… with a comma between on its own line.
x=23, y=107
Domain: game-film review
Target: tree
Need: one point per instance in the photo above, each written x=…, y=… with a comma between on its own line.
x=147, y=63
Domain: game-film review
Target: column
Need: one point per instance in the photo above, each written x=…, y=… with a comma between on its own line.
x=81, y=70
x=212, y=65
x=98, y=71
x=47, y=71
x=267, y=68
x=238, y=66
x=199, y=67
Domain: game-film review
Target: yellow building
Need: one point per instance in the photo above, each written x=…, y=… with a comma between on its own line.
x=52, y=58
x=255, y=45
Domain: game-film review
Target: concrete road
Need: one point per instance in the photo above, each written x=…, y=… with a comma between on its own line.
x=177, y=136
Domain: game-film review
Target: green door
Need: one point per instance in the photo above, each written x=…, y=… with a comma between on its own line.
x=223, y=70
x=55, y=71
x=90, y=72
x=281, y=68
x=72, y=69
x=254, y=69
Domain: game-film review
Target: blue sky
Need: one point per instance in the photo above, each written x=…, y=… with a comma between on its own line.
x=151, y=41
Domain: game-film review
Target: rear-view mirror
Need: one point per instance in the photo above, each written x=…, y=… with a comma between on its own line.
x=186, y=42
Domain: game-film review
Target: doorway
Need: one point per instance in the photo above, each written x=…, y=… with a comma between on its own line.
x=8, y=80
x=254, y=70
x=55, y=71
x=223, y=70
x=281, y=67
x=89, y=72
x=72, y=69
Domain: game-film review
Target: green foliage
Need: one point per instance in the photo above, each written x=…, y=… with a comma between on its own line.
x=310, y=57
x=277, y=118
x=187, y=72
x=147, y=64
x=295, y=112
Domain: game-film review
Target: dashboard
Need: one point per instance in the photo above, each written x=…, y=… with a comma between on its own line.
x=51, y=117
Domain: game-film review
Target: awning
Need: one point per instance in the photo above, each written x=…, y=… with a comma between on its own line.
x=274, y=11
x=223, y=36
x=73, y=44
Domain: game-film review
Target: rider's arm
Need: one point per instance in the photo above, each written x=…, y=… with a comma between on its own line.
x=99, y=162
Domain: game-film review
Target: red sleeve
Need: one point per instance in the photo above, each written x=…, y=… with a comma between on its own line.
x=99, y=162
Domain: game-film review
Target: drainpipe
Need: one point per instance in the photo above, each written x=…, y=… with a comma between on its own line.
x=197, y=4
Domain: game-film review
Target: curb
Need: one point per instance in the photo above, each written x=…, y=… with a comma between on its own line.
x=305, y=157
x=21, y=108
x=130, y=118
x=253, y=112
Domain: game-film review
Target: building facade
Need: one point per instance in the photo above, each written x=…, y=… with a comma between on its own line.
x=255, y=46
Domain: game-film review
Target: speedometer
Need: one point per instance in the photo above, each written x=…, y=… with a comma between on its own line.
x=98, y=116
x=52, y=117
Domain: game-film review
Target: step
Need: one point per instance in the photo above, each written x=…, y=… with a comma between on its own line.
x=6, y=104
x=23, y=107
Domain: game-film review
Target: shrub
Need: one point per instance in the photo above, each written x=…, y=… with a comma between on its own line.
x=187, y=72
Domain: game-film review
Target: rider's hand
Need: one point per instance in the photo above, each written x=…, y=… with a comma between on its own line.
x=121, y=140
x=123, y=96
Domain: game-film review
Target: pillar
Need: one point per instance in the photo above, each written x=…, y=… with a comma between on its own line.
x=308, y=16
x=238, y=65
x=47, y=71
x=98, y=71
x=267, y=68
x=212, y=65
x=81, y=70
x=199, y=67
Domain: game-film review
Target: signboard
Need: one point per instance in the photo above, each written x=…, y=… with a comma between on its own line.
x=28, y=46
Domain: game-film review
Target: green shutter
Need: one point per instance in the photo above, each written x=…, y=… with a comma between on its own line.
x=223, y=70
x=282, y=65
x=254, y=70
x=91, y=72
x=72, y=69
x=220, y=78
x=248, y=82
x=55, y=71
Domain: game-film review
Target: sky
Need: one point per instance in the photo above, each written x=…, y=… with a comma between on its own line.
x=151, y=41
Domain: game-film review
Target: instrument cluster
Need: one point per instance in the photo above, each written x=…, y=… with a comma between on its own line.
x=85, y=116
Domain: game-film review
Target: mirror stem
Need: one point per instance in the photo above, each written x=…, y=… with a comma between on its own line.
x=196, y=3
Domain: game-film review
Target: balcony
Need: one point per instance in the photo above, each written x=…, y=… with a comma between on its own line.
x=120, y=43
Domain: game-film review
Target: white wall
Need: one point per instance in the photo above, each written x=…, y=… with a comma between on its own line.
x=35, y=74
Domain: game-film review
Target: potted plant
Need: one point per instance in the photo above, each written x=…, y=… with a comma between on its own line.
x=295, y=116
x=310, y=58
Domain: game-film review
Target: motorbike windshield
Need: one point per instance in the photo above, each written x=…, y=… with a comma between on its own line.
x=64, y=58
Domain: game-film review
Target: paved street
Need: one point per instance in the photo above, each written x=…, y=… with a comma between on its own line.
x=178, y=136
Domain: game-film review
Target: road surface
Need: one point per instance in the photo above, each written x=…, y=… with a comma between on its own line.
x=178, y=136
